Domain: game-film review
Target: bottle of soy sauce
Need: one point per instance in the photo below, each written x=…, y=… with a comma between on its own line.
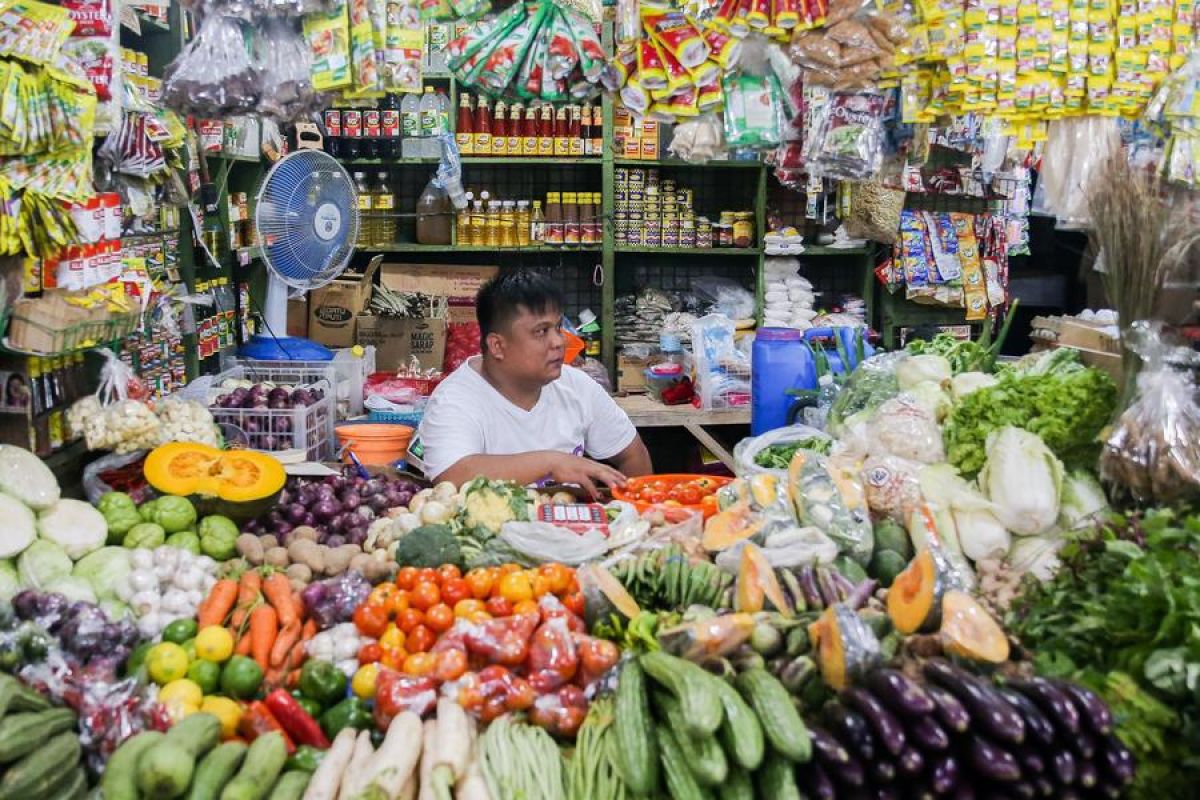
x=333, y=132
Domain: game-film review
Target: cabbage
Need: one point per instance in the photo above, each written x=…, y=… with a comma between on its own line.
x=115, y=609
x=1036, y=555
x=41, y=563
x=19, y=529
x=1024, y=480
x=980, y=534
x=932, y=399
x=72, y=588
x=74, y=525
x=964, y=383
x=27, y=478
x=916, y=369
x=10, y=584
x=104, y=569
x=1082, y=499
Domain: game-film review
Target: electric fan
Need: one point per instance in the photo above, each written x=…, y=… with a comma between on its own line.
x=307, y=218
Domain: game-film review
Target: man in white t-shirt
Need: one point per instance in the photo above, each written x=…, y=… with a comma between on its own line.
x=516, y=412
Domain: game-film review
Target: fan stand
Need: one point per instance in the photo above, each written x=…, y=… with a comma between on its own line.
x=271, y=346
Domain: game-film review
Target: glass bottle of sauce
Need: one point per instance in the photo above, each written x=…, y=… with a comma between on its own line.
x=587, y=217
x=481, y=133
x=546, y=131
x=575, y=142
x=537, y=225
x=570, y=215
x=523, y=220
x=499, y=130
x=515, y=121
x=597, y=133
x=465, y=127
x=585, y=128
x=562, y=132
x=554, y=220
x=529, y=132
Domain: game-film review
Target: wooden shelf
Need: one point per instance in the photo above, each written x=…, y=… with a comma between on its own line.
x=691, y=251
x=679, y=162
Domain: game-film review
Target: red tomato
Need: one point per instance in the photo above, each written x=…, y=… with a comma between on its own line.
x=448, y=572
x=419, y=640
x=440, y=618
x=688, y=495
x=371, y=620
x=399, y=603
x=454, y=590
x=370, y=653
x=498, y=606
x=427, y=575
x=425, y=596
x=409, y=620
x=451, y=664
x=655, y=496
x=574, y=603
x=480, y=581
x=406, y=578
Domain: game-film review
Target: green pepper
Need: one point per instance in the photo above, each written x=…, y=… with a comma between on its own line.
x=322, y=681
x=350, y=713
x=306, y=759
x=312, y=707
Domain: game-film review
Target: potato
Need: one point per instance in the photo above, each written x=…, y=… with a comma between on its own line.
x=339, y=558
x=277, y=557
x=300, y=572
x=269, y=541
x=378, y=570
x=309, y=553
x=307, y=533
x=250, y=547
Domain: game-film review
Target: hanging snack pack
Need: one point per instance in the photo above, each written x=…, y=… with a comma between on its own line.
x=847, y=140
x=753, y=111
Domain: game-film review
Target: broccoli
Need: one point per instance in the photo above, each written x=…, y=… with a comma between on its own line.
x=428, y=546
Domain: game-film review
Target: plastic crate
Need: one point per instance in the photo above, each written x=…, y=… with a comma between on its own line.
x=413, y=419
x=347, y=372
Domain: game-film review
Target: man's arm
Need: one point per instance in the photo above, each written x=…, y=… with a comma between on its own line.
x=634, y=460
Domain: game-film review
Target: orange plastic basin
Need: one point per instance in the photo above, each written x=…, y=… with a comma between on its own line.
x=376, y=443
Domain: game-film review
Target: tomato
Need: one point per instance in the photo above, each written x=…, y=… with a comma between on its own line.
x=392, y=638
x=505, y=569
x=464, y=608
x=480, y=582
x=440, y=618
x=370, y=653
x=454, y=590
x=419, y=664
x=370, y=620
x=425, y=596
x=655, y=497
x=515, y=587
x=427, y=575
x=399, y=603
x=541, y=585
x=451, y=664
x=448, y=572
x=420, y=639
x=381, y=595
x=574, y=603
x=479, y=616
x=688, y=495
x=498, y=606
x=409, y=620
x=659, y=485
x=393, y=659
x=709, y=505
x=406, y=577
x=557, y=575
x=525, y=607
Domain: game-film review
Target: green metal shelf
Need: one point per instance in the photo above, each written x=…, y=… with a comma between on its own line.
x=234, y=158
x=413, y=247
x=370, y=161
x=147, y=22
x=691, y=251
x=822, y=250
x=679, y=162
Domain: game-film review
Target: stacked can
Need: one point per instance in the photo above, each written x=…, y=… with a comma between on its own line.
x=621, y=205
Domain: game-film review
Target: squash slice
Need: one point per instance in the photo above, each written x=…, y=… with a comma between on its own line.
x=240, y=484
x=844, y=644
x=726, y=528
x=757, y=584
x=603, y=594
x=914, y=601
x=968, y=631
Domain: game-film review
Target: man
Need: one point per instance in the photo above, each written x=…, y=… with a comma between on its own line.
x=516, y=412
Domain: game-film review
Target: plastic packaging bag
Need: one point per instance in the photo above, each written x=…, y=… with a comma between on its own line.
x=725, y=296
x=213, y=76
x=1153, y=452
x=868, y=387
x=846, y=142
x=900, y=427
x=542, y=542
x=285, y=62
x=753, y=111
x=96, y=486
x=722, y=370
x=783, y=443
x=828, y=494
x=891, y=484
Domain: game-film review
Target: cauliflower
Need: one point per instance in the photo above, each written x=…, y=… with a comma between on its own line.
x=490, y=504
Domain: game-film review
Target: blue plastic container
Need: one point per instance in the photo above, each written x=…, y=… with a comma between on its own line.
x=780, y=360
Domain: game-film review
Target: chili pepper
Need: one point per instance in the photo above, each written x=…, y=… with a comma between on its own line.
x=258, y=720
x=295, y=720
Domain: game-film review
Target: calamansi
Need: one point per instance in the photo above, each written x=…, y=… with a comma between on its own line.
x=181, y=697
x=166, y=662
x=227, y=711
x=214, y=643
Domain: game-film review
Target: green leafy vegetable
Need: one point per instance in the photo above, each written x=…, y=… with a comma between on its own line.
x=778, y=456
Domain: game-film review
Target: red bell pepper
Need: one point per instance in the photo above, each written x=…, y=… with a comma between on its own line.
x=297, y=722
x=259, y=720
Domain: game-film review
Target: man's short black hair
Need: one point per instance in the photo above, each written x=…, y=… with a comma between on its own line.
x=500, y=300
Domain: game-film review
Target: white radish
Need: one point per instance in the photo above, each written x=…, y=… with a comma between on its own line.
x=325, y=780
x=428, y=744
x=453, y=742
x=352, y=783
x=395, y=762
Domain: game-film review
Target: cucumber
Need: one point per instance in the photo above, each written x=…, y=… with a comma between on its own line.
x=165, y=769
x=776, y=781
x=215, y=770
x=119, y=781
x=16, y=696
x=740, y=733
x=737, y=786
x=704, y=755
x=692, y=687
x=40, y=767
x=636, y=752
x=681, y=783
x=56, y=783
x=290, y=786
x=74, y=789
x=780, y=721
x=22, y=733
x=264, y=762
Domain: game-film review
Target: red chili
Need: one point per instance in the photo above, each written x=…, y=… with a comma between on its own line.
x=259, y=720
x=295, y=720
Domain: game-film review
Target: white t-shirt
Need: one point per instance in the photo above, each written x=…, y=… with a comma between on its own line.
x=466, y=416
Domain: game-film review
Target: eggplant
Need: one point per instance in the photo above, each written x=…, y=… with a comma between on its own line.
x=911, y=762
x=1088, y=776
x=1044, y=787
x=850, y=774
x=797, y=672
x=953, y=716
x=886, y=793
x=1056, y=706
x=843, y=586
x=1065, y=769
x=1023, y=790
x=808, y=585
x=991, y=714
x=883, y=723
x=862, y=593
x=852, y=730
x=815, y=782
x=827, y=749
x=899, y=692
x=1031, y=761
x=992, y=762
x=827, y=586
x=944, y=774
x=791, y=585
x=882, y=771
x=1084, y=744
x=1040, y=729
x=964, y=792
x=1109, y=791
x=926, y=732
x=1116, y=760
x=1094, y=712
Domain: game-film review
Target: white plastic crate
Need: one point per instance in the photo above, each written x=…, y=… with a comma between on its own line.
x=347, y=372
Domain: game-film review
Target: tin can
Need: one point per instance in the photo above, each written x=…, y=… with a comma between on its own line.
x=743, y=229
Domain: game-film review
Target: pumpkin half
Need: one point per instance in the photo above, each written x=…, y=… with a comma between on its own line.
x=239, y=484
x=969, y=631
x=845, y=645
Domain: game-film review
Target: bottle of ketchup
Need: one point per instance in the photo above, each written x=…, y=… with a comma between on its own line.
x=464, y=128
x=482, y=132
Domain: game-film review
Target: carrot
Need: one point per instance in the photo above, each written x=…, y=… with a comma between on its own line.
x=293, y=678
x=309, y=630
x=289, y=637
x=248, y=590
x=263, y=630
x=218, y=604
x=243, y=645
x=278, y=591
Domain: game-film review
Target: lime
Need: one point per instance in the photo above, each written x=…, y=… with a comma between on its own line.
x=214, y=643
x=138, y=657
x=179, y=631
x=167, y=662
x=241, y=677
x=189, y=647
x=206, y=674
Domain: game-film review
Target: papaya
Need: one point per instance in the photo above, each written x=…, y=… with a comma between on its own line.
x=969, y=631
x=844, y=644
x=726, y=528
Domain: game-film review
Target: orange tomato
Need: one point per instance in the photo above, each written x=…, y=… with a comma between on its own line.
x=525, y=607
x=515, y=587
x=464, y=608
x=409, y=620
x=420, y=639
x=455, y=589
x=393, y=659
x=419, y=664
x=399, y=603
x=427, y=575
x=558, y=576
x=480, y=582
x=392, y=638
x=498, y=606
x=709, y=505
x=370, y=653
x=425, y=596
x=541, y=585
x=371, y=620
x=381, y=595
x=448, y=572
x=451, y=664
x=479, y=616
x=574, y=603
x=688, y=495
x=505, y=569
x=439, y=618
x=406, y=577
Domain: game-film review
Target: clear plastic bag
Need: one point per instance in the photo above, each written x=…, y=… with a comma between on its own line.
x=891, y=484
x=700, y=139
x=900, y=427
x=722, y=370
x=828, y=494
x=868, y=387
x=1153, y=452
x=753, y=111
x=214, y=75
x=725, y=296
x=747, y=450
x=846, y=142
x=285, y=61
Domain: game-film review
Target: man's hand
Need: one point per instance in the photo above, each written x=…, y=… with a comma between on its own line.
x=566, y=468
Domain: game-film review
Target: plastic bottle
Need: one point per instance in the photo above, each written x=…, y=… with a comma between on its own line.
x=537, y=225
x=575, y=133
x=429, y=123
x=435, y=218
x=779, y=361
x=462, y=221
x=523, y=220
x=499, y=130
x=529, y=132
x=508, y=224
x=383, y=205
x=477, y=233
x=389, y=117
x=443, y=107
x=546, y=131
x=483, y=128
x=492, y=232
x=516, y=119
x=464, y=131
x=410, y=124
x=365, y=231
x=562, y=133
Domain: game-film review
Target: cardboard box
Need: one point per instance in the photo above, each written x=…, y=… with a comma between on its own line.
x=333, y=309
x=455, y=281
x=297, y=317
x=398, y=340
x=631, y=374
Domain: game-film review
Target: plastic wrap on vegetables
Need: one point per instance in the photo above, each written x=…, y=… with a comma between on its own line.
x=784, y=545
x=900, y=427
x=867, y=388
x=286, y=63
x=827, y=494
x=891, y=485
x=932, y=528
x=772, y=451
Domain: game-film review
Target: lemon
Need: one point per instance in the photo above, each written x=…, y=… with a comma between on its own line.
x=166, y=662
x=227, y=711
x=181, y=697
x=363, y=682
x=214, y=643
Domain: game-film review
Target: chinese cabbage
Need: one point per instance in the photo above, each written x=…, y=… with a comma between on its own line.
x=1082, y=499
x=104, y=569
x=1023, y=479
x=917, y=369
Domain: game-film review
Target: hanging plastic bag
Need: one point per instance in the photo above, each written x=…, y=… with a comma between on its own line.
x=847, y=139
x=213, y=76
x=753, y=111
x=285, y=62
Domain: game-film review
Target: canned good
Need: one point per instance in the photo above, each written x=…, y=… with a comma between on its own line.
x=637, y=177
x=637, y=197
x=743, y=229
x=621, y=216
x=687, y=234
x=636, y=215
x=726, y=218
x=670, y=238
x=722, y=235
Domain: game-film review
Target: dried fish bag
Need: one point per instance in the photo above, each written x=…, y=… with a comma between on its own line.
x=213, y=76
x=285, y=63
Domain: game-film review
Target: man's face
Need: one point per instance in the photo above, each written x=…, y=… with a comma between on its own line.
x=531, y=349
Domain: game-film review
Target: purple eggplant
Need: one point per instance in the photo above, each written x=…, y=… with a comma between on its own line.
x=944, y=774
x=862, y=593
x=1065, y=769
x=883, y=723
x=886, y=793
x=1053, y=703
x=882, y=771
x=992, y=715
x=825, y=582
x=1023, y=790
x=911, y=762
x=827, y=749
x=991, y=761
x=1040, y=729
x=815, y=781
x=952, y=715
x=1044, y=787
x=849, y=774
x=1116, y=760
x=808, y=584
x=1107, y=791
x=1084, y=745
x=1094, y=712
x=1031, y=761
x=791, y=585
x=852, y=730
x=899, y=692
x=1087, y=776
x=964, y=792
x=927, y=733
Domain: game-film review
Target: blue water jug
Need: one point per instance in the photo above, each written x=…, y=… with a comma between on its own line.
x=779, y=361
